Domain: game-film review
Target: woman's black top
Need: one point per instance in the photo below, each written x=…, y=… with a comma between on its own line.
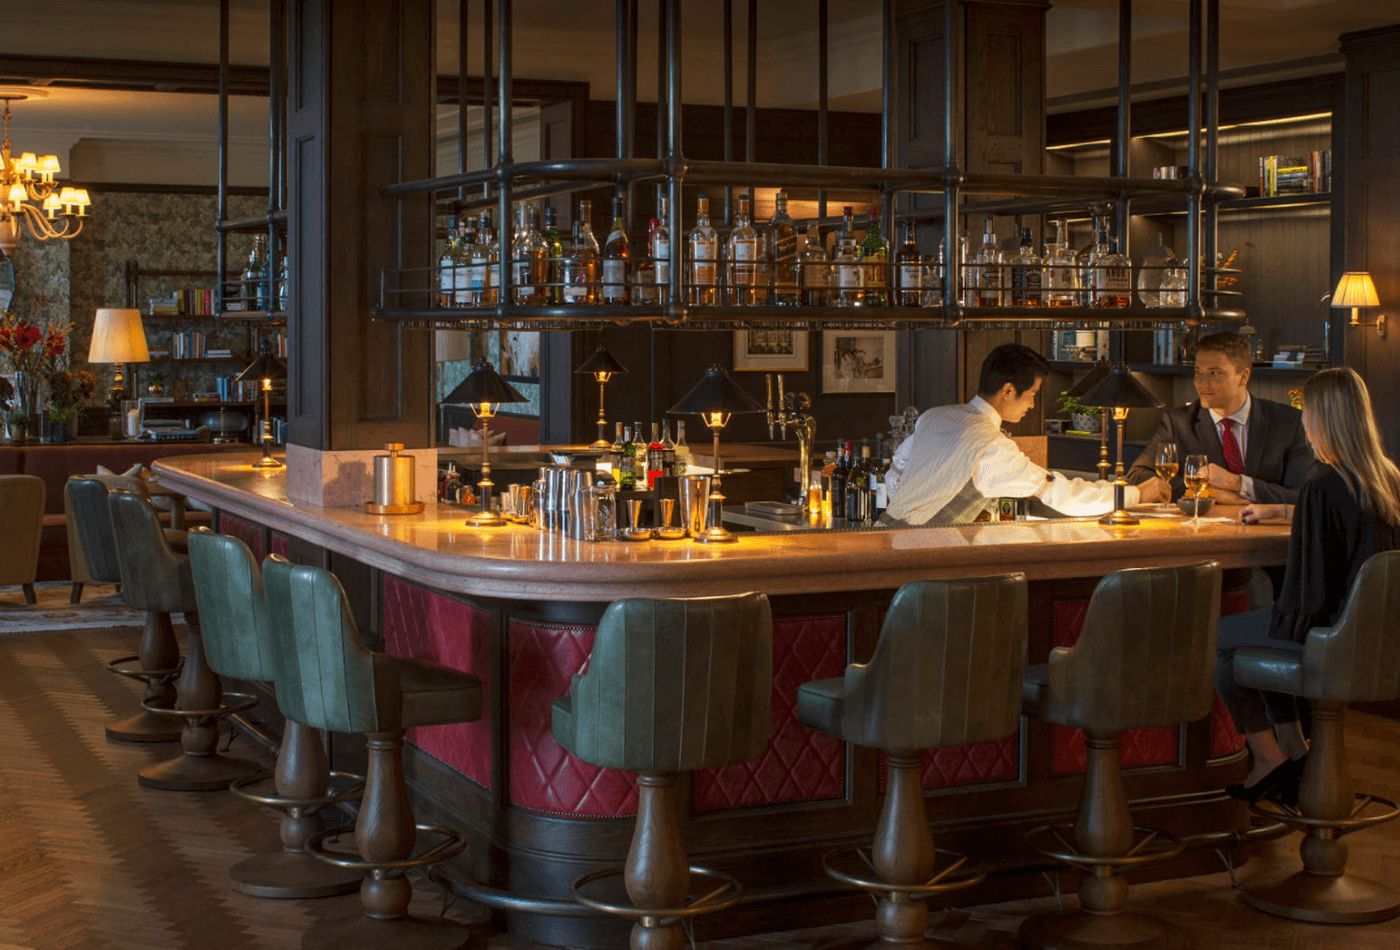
x=1333, y=535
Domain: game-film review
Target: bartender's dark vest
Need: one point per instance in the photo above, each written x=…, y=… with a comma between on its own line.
x=963, y=508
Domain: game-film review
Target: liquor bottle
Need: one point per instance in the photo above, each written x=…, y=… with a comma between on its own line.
x=987, y=280
x=284, y=285
x=644, y=272
x=1061, y=272
x=668, y=450
x=526, y=255
x=661, y=252
x=1110, y=274
x=447, y=266
x=626, y=472
x=617, y=255
x=704, y=258
x=879, y=496
x=639, y=455
x=780, y=238
x=582, y=285
x=935, y=274
x=655, y=451
x=682, y=449
x=1081, y=257
x=909, y=269
x=1027, y=273
x=846, y=264
x=553, y=258
x=875, y=262
x=743, y=258
x=465, y=250
x=479, y=270
x=815, y=274
x=616, y=447
x=255, y=276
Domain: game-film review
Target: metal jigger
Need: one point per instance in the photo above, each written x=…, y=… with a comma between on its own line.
x=666, y=532
x=635, y=531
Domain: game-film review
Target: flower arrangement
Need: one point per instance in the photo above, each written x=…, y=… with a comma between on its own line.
x=68, y=391
x=1295, y=398
x=33, y=353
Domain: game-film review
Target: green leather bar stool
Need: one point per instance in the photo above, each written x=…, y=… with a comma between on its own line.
x=672, y=686
x=1145, y=658
x=158, y=654
x=1357, y=660
x=946, y=671
x=238, y=640
x=156, y=577
x=327, y=679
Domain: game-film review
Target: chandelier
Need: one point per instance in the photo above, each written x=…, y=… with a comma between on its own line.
x=29, y=194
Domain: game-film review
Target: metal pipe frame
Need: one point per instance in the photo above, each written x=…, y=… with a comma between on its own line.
x=485, y=89
x=1122, y=142
x=505, y=227
x=464, y=9
x=221, y=202
x=276, y=118
x=823, y=93
x=1211, y=218
x=728, y=104
x=675, y=156
x=1193, y=163
x=751, y=108
x=952, y=269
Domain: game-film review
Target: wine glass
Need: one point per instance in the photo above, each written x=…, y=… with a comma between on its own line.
x=1196, y=473
x=1167, y=464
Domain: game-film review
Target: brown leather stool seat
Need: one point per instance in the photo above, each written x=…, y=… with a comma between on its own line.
x=1144, y=658
x=1357, y=660
x=672, y=686
x=327, y=679
x=156, y=577
x=946, y=671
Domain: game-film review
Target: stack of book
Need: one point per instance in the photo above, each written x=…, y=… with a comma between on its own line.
x=185, y=302
x=1298, y=356
x=1294, y=175
x=187, y=345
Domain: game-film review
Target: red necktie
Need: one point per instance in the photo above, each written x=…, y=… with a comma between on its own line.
x=1233, y=460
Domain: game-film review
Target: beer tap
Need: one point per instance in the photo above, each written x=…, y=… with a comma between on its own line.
x=770, y=407
x=794, y=409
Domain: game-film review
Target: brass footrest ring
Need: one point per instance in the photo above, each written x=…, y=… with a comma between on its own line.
x=1356, y=821
x=951, y=877
x=350, y=793
x=1153, y=845
x=120, y=667
x=241, y=702
x=722, y=897
x=452, y=843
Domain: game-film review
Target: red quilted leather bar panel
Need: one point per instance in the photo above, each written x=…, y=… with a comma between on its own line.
x=980, y=764
x=246, y=531
x=1225, y=739
x=280, y=544
x=427, y=626
x=543, y=658
x=800, y=764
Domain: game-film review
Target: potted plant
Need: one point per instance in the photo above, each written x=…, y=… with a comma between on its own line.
x=68, y=391
x=155, y=384
x=1082, y=418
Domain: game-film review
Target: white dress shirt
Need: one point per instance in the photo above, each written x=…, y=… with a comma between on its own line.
x=951, y=444
x=1241, y=419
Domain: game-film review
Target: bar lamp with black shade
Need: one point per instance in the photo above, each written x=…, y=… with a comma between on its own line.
x=484, y=390
x=715, y=399
x=1088, y=382
x=602, y=366
x=1119, y=391
x=265, y=370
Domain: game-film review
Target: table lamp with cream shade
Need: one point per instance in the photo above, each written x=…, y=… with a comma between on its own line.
x=1355, y=290
x=118, y=337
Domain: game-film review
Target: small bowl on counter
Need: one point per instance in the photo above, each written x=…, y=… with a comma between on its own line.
x=1187, y=504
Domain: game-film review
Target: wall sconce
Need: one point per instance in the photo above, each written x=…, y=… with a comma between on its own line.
x=1354, y=291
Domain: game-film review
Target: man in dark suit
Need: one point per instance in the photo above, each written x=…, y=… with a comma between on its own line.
x=1256, y=447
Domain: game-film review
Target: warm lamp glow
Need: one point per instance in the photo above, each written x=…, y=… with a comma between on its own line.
x=118, y=337
x=716, y=420
x=48, y=167
x=17, y=196
x=485, y=410
x=1356, y=289
x=31, y=197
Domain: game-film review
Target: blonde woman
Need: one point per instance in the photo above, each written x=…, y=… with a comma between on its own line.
x=1347, y=510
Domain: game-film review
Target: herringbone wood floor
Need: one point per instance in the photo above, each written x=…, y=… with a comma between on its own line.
x=89, y=859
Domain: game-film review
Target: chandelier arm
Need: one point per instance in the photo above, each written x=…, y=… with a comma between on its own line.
x=39, y=226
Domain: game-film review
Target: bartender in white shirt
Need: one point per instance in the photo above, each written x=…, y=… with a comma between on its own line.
x=958, y=459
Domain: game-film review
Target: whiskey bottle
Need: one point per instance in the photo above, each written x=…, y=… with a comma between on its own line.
x=875, y=261
x=644, y=272
x=815, y=273
x=617, y=254
x=581, y=266
x=1027, y=273
x=447, y=266
x=704, y=258
x=783, y=258
x=987, y=280
x=846, y=265
x=639, y=456
x=909, y=269
x=935, y=275
x=743, y=258
x=479, y=271
x=661, y=252
x=527, y=258
x=668, y=450
x=626, y=472
x=255, y=276
x=1061, y=270
x=1110, y=274
x=554, y=258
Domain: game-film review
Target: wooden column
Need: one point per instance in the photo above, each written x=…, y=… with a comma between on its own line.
x=1366, y=169
x=360, y=116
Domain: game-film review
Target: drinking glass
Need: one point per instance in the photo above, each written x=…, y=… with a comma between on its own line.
x=1196, y=472
x=1167, y=464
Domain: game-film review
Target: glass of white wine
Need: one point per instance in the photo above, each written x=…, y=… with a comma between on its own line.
x=1167, y=465
x=1196, y=473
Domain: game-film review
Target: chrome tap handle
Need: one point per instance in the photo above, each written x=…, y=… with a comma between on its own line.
x=773, y=410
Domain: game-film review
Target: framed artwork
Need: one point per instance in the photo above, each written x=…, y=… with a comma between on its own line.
x=520, y=354
x=771, y=351
x=858, y=361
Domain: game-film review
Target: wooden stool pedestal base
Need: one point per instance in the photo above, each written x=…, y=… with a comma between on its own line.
x=143, y=727
x=408, y=933
x=1085, y=931
x=293, y=875
x=196, y=773
x=1322, y=899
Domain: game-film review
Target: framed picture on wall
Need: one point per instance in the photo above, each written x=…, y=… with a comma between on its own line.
x=771, y=351
x=858, y=361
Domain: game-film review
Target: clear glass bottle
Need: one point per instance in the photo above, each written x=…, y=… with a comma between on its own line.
x=626, y=472
x=617, y=256
x=465, y=252
x=935, y=275
x=909, y=269
x=661, y=251
x=668, y=450
x=1110, y=273
x=479, y=271
x=682, y=449
x=1157, y=263
x=845, y=264
x=255, y=275
x=554, y=258
x=581, y=277
x=1027, y=274
x=704, y=258
x=527, y=254
x=284, y=286
x=447, y=266
x=780, y=239
x=743, y=258
x=815, y=274
x=986, y=277
x=875, y=262
x=644, y=271
x=1061, y=270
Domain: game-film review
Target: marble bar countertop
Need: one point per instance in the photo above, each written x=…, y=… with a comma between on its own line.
x=436, y=548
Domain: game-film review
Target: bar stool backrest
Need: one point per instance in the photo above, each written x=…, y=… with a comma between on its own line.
x=22, y=514
x=233, y=615
x=676, y=685
x=154, y=576
x=947, y=668
x=326, y=678
x=85, y=501
x=1358, y=659
x=1146, y=653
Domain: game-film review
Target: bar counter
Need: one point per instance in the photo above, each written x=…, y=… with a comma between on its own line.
x=519, y=607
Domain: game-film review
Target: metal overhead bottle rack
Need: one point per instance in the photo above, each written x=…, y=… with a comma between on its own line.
x=410, y=296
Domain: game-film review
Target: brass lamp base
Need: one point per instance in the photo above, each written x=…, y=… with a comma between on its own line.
x=267, y=461
x=600, y=444
x=1119, y=517
x=485, y=519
